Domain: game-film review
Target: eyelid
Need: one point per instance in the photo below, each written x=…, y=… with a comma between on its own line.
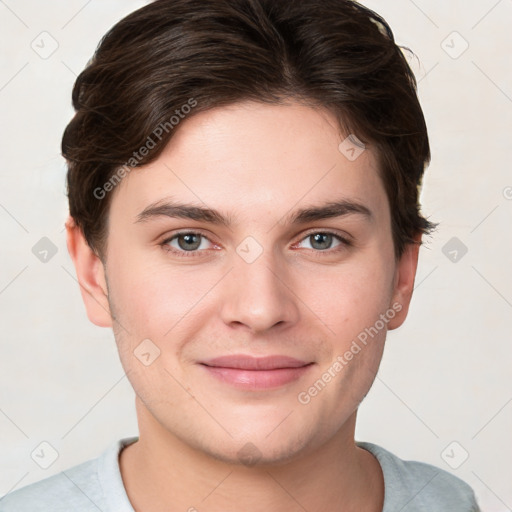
x=192, y=231
x=343, y=236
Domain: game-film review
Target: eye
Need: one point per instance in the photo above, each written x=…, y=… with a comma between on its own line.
x=324, y=240
x=186, y=242
x=191, y=243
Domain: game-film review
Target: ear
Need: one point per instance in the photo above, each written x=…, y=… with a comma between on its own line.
x=404, y=283
x=91, y=276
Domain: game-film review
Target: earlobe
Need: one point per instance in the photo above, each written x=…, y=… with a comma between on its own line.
x=90, y=274
x=404, y=283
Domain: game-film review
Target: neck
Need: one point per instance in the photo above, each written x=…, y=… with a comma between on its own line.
x=160, y=472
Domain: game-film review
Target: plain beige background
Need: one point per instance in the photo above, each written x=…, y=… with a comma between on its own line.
x=443, y=394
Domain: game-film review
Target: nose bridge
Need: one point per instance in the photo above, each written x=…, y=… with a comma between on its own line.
x=258, y=295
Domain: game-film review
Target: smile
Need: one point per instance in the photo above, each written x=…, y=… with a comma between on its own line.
x=256, y=373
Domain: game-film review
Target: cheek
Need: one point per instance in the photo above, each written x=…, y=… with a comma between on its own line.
x=168, y=305
x=154, y=296
x=350, y=298
x=155, y=310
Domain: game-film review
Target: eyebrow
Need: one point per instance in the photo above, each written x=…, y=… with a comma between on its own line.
x=333, y=209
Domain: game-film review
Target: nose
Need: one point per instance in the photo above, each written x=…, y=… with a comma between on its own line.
x=258, y=296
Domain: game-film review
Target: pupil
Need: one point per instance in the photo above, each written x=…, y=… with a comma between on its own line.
x=323, y=240
x=191, y=242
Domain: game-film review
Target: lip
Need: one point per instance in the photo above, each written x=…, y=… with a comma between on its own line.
x=248, y=372
x=246, y=362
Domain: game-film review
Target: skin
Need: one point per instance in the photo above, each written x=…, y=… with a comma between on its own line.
x=256, y=164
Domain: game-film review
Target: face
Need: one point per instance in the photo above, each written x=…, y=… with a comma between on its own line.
x=252, y=278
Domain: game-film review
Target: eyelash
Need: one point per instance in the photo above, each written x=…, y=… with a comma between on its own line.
x=188, y=254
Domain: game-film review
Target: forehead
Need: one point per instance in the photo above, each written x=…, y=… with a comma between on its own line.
x=253, y=157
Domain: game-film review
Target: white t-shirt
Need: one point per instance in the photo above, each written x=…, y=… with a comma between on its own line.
x=96, y=485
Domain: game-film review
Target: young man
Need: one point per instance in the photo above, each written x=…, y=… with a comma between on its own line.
x=243, y=188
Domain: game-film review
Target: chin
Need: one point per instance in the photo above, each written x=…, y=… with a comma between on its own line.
x=258, y=454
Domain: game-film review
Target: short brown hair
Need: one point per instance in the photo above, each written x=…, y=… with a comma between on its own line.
x=334, y=54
